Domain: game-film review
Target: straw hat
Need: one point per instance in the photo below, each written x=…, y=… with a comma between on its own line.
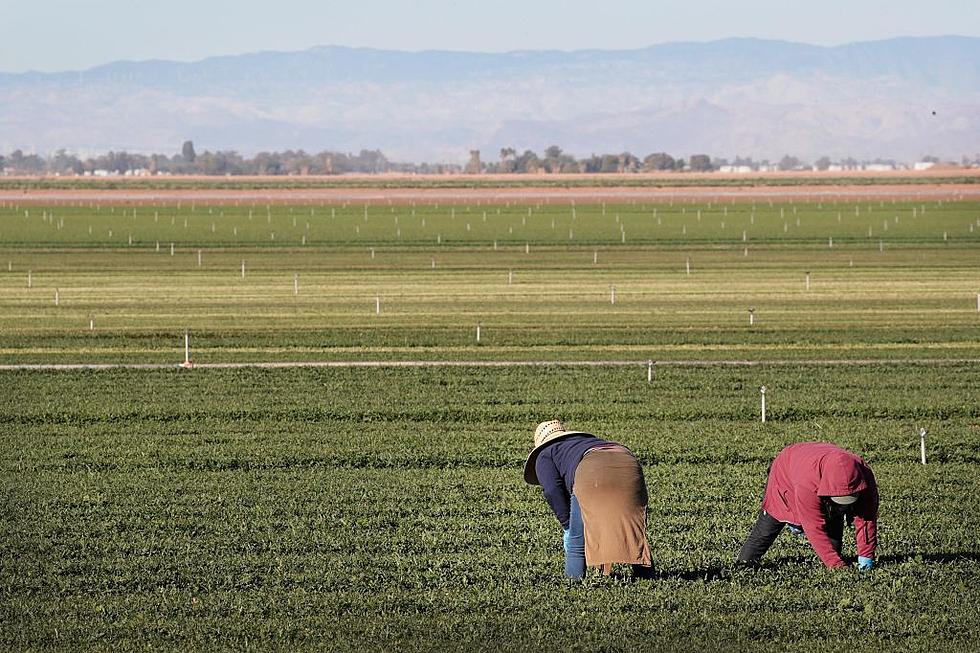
x=845, y=500
x=545, y=434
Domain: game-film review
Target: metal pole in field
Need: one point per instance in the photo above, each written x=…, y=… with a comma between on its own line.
x=922, y=444
x=595, y=257
x=171, y=249
x=650, y=371
x=762, y=390
x=689, y=265
x=478, y=332
x=295, y=284
x=198, y=258
x=510, y=277
x=243, y=268
x=612, y=294
x=807, y=280
x=377, y=305
x=751, y=316
x=91, y=324
x=56, y=298
x=28, y=278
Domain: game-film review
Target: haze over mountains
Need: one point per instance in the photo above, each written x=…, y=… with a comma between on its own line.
x=745, y=97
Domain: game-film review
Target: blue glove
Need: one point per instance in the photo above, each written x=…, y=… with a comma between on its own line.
x=565, y=537
x=865, y=564
x=796, y=530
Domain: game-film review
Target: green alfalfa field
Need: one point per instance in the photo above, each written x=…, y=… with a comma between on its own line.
x=383, y=507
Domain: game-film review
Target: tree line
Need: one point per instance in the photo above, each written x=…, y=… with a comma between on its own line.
x=297, y=162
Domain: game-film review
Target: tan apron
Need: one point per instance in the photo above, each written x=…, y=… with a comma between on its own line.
x=612, y=494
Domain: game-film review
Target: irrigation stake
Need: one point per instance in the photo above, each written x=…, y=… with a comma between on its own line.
x=91, y=324
x=478, y=332
x=187, y=364
x=243, y=268
x=595, y=257
x=295, y=284
x=171, y=249
x=922, y=444
x=650, y=371
x=762, y=391
x=377, y=306
x=751, y=316
x=198, y=258
x=28, y=278
x=808, y=281
x=56, y=297
x=510, y=278
x=689, y=265
x=612, y=294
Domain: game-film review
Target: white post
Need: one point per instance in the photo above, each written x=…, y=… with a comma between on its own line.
x=171, y=249
x=187, y=350
x=295, y=284
x=751, y=316
x=808, y=281
x=243, y=268
x=612, y=294
x=91, y=324
x=595, y=257
x=56, y=297
x=689, y=265
x=198, y=258
x=922, y=444
x=433, y=264
x=510, y=278
x=649, y=371
x=762, y=390
x=372, y=253
x=527, y=248
x=478, y=332
x=28, y=278
x=377, y=306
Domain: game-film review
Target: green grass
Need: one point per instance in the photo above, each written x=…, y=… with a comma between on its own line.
x=384, y=508
x=346, y=509
x=905, y=292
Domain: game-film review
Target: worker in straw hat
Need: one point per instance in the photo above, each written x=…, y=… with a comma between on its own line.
x=814, y=488
x=597, y=492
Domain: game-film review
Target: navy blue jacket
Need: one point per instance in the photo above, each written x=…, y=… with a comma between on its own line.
x=555, y=467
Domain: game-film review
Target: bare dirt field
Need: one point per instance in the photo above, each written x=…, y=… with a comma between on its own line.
x=942, y=183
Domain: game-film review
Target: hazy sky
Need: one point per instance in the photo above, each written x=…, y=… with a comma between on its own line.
x=52, y=35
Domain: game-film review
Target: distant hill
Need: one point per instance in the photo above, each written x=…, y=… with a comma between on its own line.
x=732, y=97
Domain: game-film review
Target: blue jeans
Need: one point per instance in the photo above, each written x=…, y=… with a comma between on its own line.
x=574, y=540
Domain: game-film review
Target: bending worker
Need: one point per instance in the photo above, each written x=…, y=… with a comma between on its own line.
x=597, y=492
x=814, y=487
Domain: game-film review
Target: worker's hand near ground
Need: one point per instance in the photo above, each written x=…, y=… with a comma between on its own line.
x=865, y=564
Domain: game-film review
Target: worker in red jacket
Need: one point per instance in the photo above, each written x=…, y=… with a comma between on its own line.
x=814, y=487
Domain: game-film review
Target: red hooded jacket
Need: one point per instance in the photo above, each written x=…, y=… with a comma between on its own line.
x=804, y=473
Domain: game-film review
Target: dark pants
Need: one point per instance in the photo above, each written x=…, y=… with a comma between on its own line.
x=766, y=530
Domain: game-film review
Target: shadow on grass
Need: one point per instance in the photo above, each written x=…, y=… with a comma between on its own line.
x=956, y=556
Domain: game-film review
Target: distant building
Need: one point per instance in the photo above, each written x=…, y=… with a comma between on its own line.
x=923, y=165
x=474, y=166
x=736, y=169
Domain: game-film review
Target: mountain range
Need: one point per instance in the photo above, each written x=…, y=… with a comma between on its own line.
x=900, y=98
